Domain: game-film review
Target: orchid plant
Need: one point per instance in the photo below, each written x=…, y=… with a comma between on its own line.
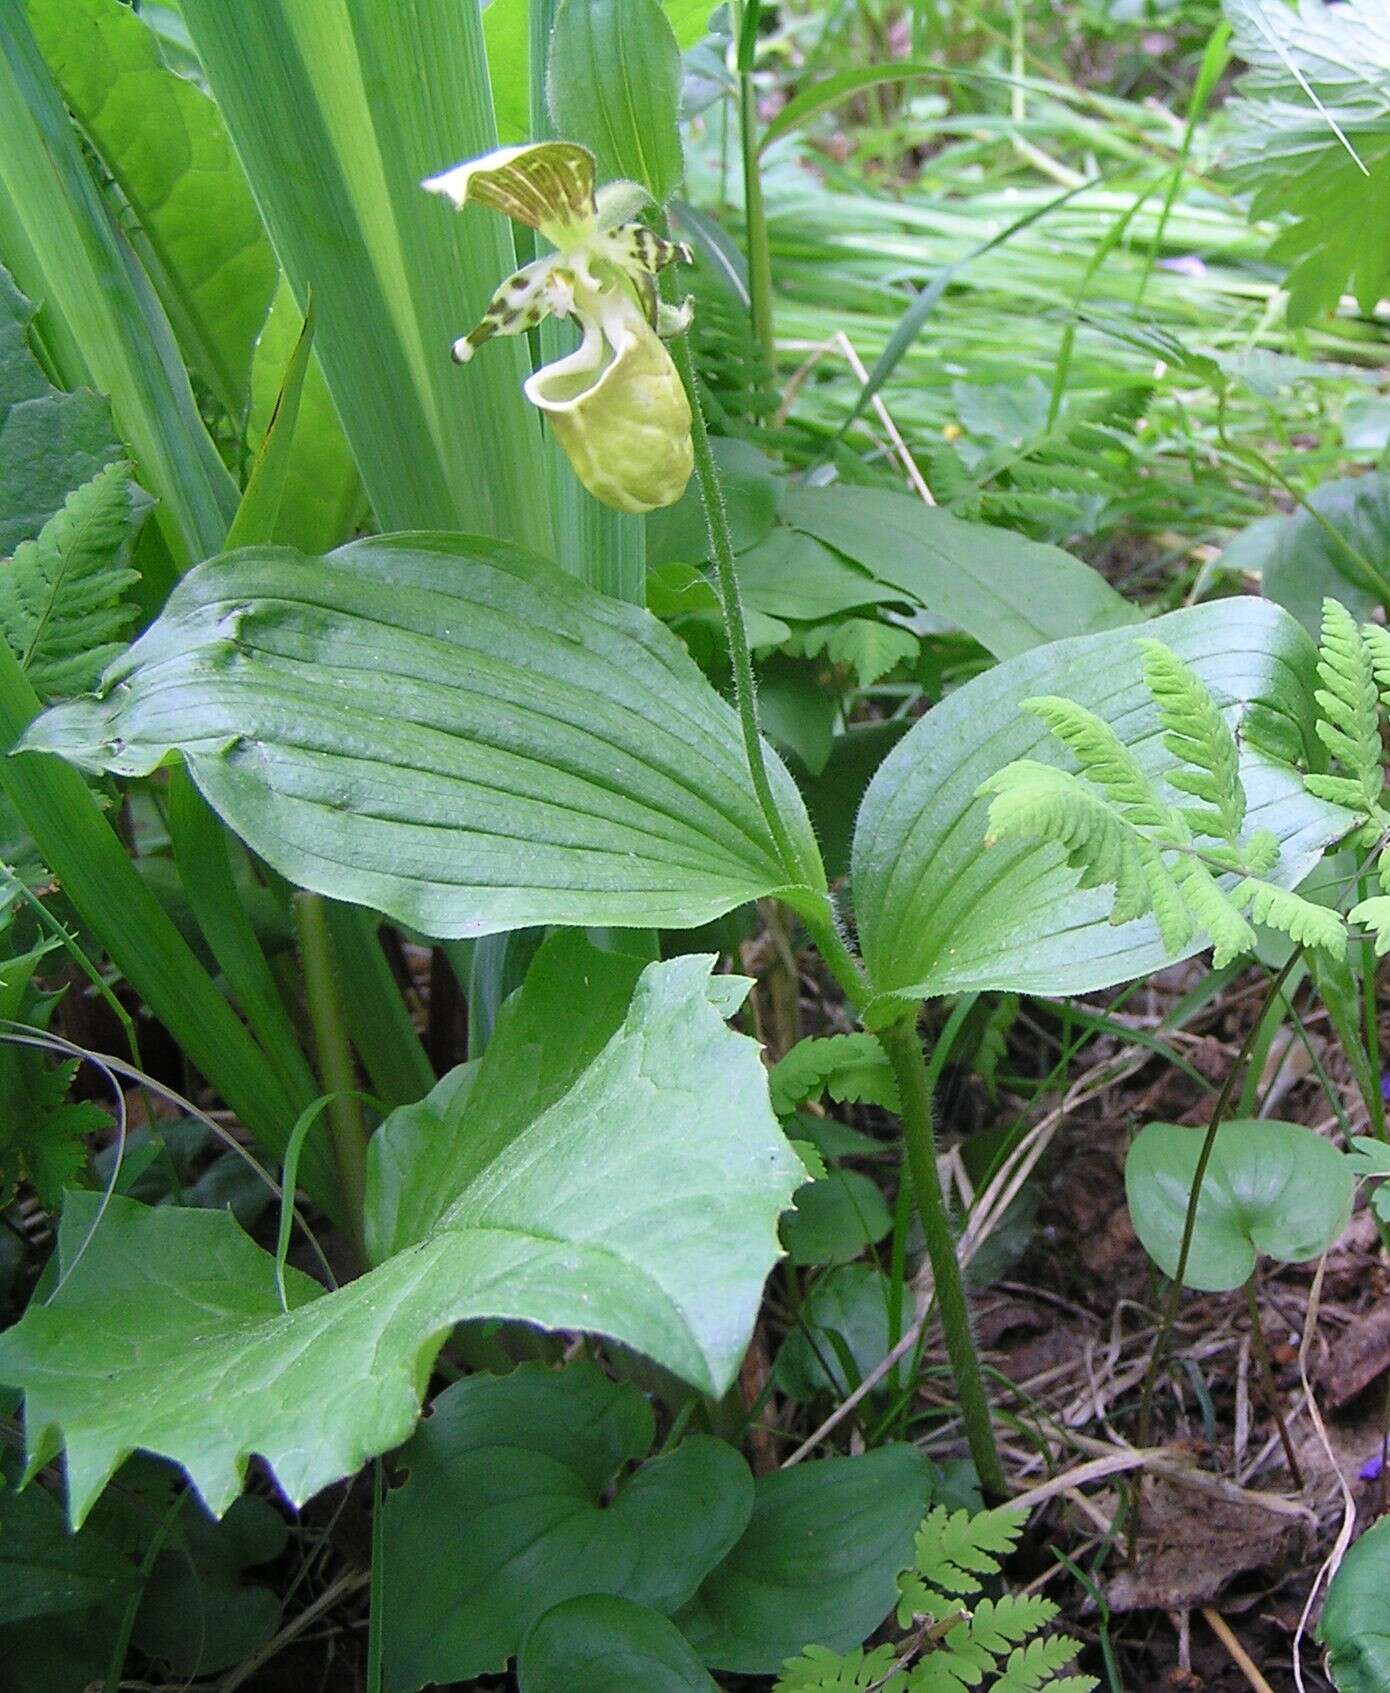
x=616, y=402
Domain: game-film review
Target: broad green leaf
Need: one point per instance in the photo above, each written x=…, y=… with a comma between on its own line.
x=613, y=82
x=642, y=1205
x=100, y=319
x=939, y=913
x=573, y=1001
x=1312, y=139
x=528, y=1462
x=50, y=442
x=451, y=732
x=46, y=1568
x=752, y=488
x=846, y=1310
x=323, y=492
x=790, y=574
x=1271, y=1187
x=395, y=274
x=1355, y=1625
x=163, y=141
x=1008, y=592
x=835, y=1219
x=61, y=596
x=818, y=1563
x=608, y=1645
x=1300, y=564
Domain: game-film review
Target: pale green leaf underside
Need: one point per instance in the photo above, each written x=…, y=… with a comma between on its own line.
x=939, y=913
x=642, y=1205
x=450, y=731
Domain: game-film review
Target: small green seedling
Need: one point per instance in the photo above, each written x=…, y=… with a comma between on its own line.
x=1272, y=1188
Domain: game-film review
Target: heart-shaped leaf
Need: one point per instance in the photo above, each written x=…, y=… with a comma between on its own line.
x=608, y=1645
x=1355, y=1624
x=1275, y=1188
x=449, y=731
x=642, y=1203
x=938, y=913
x=502, y=1517
x=817, y=1565
x=846, y=1312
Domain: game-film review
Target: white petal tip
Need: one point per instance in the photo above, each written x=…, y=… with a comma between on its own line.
x=462, y=350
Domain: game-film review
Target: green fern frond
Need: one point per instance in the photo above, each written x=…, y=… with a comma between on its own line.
x=1374, y=914
x=953, y=1549
x=818, y=1670
x=1039, y=802
x=1349, y=719
x=1378, y=646
x=1300, y=919
x=1034, y=1667
x=1228, y=931
x=1103, y=757
x=1001, y=1624
x=852, y=1069
x=866, y=645
x=1197, y=733
x=991, y=1042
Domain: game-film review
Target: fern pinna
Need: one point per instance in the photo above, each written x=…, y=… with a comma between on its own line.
x=1161, y=856
x=953, y=1640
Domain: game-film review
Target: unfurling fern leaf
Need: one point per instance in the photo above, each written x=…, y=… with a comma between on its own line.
x=852, y=1069
x=1103, y=757
x=1039, y=802
x=1197, y=733
x=1298, y=918
x=1349, y=721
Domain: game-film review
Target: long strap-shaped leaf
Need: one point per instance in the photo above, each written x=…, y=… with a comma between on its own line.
x=96, y=875
x=100, y=318
x=338, y=110
x=453, y=732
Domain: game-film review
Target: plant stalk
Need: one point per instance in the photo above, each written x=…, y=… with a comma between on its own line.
x=1375, y=1100
x=337, y=1073
x=1189, y=1226
x=904, y=1049
x=722, y=547
x=754, y=209
x=1271, y=1387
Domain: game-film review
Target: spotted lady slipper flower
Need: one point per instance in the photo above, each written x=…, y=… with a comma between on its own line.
x=616, y=403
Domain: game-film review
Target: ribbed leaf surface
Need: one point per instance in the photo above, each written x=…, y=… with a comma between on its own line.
x=939, y=913
x=450, y=731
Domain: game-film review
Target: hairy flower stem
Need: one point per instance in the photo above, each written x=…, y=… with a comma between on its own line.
x=337, y=1072
x=722, y=547
x=904, y=1049
x=1189, y=1226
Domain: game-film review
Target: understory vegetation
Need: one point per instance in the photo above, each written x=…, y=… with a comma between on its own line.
x=694, y=845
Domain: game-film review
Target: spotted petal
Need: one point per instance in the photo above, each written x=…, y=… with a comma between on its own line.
x=547, y=185
x=520, y=303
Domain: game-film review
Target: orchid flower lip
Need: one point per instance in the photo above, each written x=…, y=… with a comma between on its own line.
x=616, y=401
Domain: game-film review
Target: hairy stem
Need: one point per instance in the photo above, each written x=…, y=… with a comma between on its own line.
x=722, y=547
x=755, y=214
x=337, y=1073
x=1375, y=1098
x=904, y=1048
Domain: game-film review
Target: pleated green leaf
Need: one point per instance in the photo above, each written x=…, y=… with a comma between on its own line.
x=163, y=141
x=939, y=913
x=450, y=731
x=338, y=110
x=642, y=1205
